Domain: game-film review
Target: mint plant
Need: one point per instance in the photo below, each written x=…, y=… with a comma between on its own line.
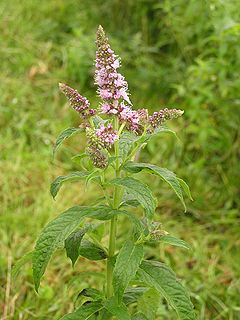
x=115, y=133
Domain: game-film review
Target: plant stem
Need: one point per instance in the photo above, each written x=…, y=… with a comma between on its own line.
x=113, y=225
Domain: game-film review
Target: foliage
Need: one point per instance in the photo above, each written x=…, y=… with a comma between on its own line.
x=187, y=51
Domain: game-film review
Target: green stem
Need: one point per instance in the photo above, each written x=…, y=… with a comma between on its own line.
x=113, y=225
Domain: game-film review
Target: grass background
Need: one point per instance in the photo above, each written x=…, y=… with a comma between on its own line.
x=174, y=53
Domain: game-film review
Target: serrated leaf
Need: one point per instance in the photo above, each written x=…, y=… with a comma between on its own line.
x=21, y=262
x=56, y=232
x=91, y=251
x=140, y=191
x=175, y=242
x=185, y=188
x=165, y=174
x=85, y=312
x=126, y=141
x=139, y=316
x=148, y=303
x=163, y=279
x=118, y=310
x=126, y=266
x=67, y=133
x=132, y=295
x=72, y=244
x=57, y=183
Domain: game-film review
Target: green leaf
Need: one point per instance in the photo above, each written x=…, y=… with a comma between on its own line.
x=185, y=188
x=98, y=232
x=148, y=303
x=128, y=260
x=72, y=244
x=57, y=231
x=163, y=279
x=98, y=120
x=135, y=220
x=91, y=251
x=85, y=312
x=91, y=293
x=63, y=136
x=118, y=310
x=126, y=141
x=129, y=200
x=140, y=191
x=21, y=262
x=164, y=129
x=57, y=183
x=78, y=158
x=95, y=174
x=175, y=242
x=139, y=316
x=130, y=203
x=165, y=174
x=131, y=295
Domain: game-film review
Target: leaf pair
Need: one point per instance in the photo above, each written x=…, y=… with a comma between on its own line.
x=75, y=246
x=57, y=231
x=154, y=274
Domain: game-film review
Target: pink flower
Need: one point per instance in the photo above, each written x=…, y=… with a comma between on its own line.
x=111, y=84
x=105, y=94
x=106, y=135
x=78, y=102
x=105, y=107
x=116, y=64
x=131, y=117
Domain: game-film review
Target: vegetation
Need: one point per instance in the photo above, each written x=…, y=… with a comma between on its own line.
x=185, y=52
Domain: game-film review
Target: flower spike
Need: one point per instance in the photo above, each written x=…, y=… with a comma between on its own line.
x=158, y=118
x=112, y=86
x=77, y=102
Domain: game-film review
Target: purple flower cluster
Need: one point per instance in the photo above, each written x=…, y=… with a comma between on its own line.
x=112, y=86
x=158, y=118
x=143, y=116
x=106, y=135
x=78, y=102
x=113, y=90
x=98, y=156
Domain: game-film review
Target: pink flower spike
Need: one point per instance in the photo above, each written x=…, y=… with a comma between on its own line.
x=77, y=102
x=111, y=84
x=158, y=118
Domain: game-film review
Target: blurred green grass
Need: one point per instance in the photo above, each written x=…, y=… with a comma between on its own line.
x=174, y=53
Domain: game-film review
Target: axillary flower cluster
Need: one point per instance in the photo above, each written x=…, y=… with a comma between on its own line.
x=115, y=105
